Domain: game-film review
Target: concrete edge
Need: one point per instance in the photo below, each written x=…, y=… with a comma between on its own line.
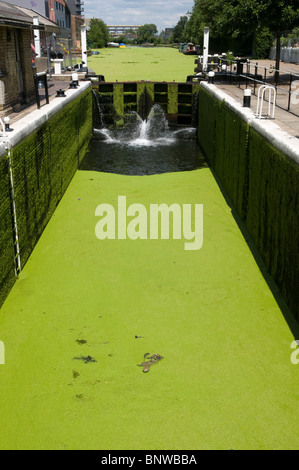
x=33, y=121
x=272, y=132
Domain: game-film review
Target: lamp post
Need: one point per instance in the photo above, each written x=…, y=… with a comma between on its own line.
x=84, y=48
x=36, y=37
x=206, y=48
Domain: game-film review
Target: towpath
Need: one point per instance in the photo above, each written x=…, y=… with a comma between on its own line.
x=288, y=121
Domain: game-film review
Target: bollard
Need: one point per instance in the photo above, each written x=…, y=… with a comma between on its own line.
x=247, y=98
x=75, y=79
x=60, y=93
x=7, y=124
x=211, y=77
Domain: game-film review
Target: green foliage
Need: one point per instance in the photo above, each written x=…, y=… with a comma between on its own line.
x=194, y=28
x=98, y=35
x=179, y=30
x=230, y=56
x=146, y=33
x=263, y=43
x=291, y=39
x=121, y=39
x=242, y=24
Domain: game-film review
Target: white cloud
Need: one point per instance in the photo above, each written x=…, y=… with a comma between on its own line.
x=165, y=14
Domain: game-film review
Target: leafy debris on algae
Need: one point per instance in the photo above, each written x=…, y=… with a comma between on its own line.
x=85, y=359
x=81, y=341
x=149, y=361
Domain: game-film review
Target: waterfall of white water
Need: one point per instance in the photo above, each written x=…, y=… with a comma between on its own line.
x=143, y=130
x=149, y=132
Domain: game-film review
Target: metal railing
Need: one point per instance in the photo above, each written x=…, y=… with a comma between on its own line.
x=40, y=81
x=60, y=48
x=251, y=74
x=260, y=100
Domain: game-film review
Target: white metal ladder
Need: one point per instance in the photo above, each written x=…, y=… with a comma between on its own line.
x=260, y=101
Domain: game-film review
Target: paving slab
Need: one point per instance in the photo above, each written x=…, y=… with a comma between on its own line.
x=287, y=121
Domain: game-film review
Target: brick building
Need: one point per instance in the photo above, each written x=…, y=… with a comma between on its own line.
x=67, y=14
x=58, y=11
x=77, y=22
x=16, y=72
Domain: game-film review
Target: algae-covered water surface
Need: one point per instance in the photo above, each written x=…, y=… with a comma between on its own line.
x=136, y=342
x=85, y=312
x=142, y=63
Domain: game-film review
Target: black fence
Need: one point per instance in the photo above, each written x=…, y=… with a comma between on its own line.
x=40, y=81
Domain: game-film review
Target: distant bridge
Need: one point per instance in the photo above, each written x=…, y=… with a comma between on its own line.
x=119, y=30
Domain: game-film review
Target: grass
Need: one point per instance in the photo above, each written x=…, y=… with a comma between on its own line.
x=142, y=63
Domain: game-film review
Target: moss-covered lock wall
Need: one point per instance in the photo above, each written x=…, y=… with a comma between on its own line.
x=43, y=165
x=176, y=99
x=7, y=264
x=263, y=185
x=272, y=214
x=223, y=137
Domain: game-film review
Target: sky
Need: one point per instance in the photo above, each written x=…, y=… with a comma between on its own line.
x=164, y=14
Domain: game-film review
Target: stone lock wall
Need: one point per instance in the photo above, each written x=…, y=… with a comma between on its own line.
x=43, y=164
x=261, y=178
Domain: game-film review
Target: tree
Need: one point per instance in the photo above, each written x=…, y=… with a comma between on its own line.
x=231, y=21
x=242, y=20
x=262, y=43
x=193, y=31
x=146, y=33
x=179, y=30
x=279, y=16
x=98, y=35
x=121, y=39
